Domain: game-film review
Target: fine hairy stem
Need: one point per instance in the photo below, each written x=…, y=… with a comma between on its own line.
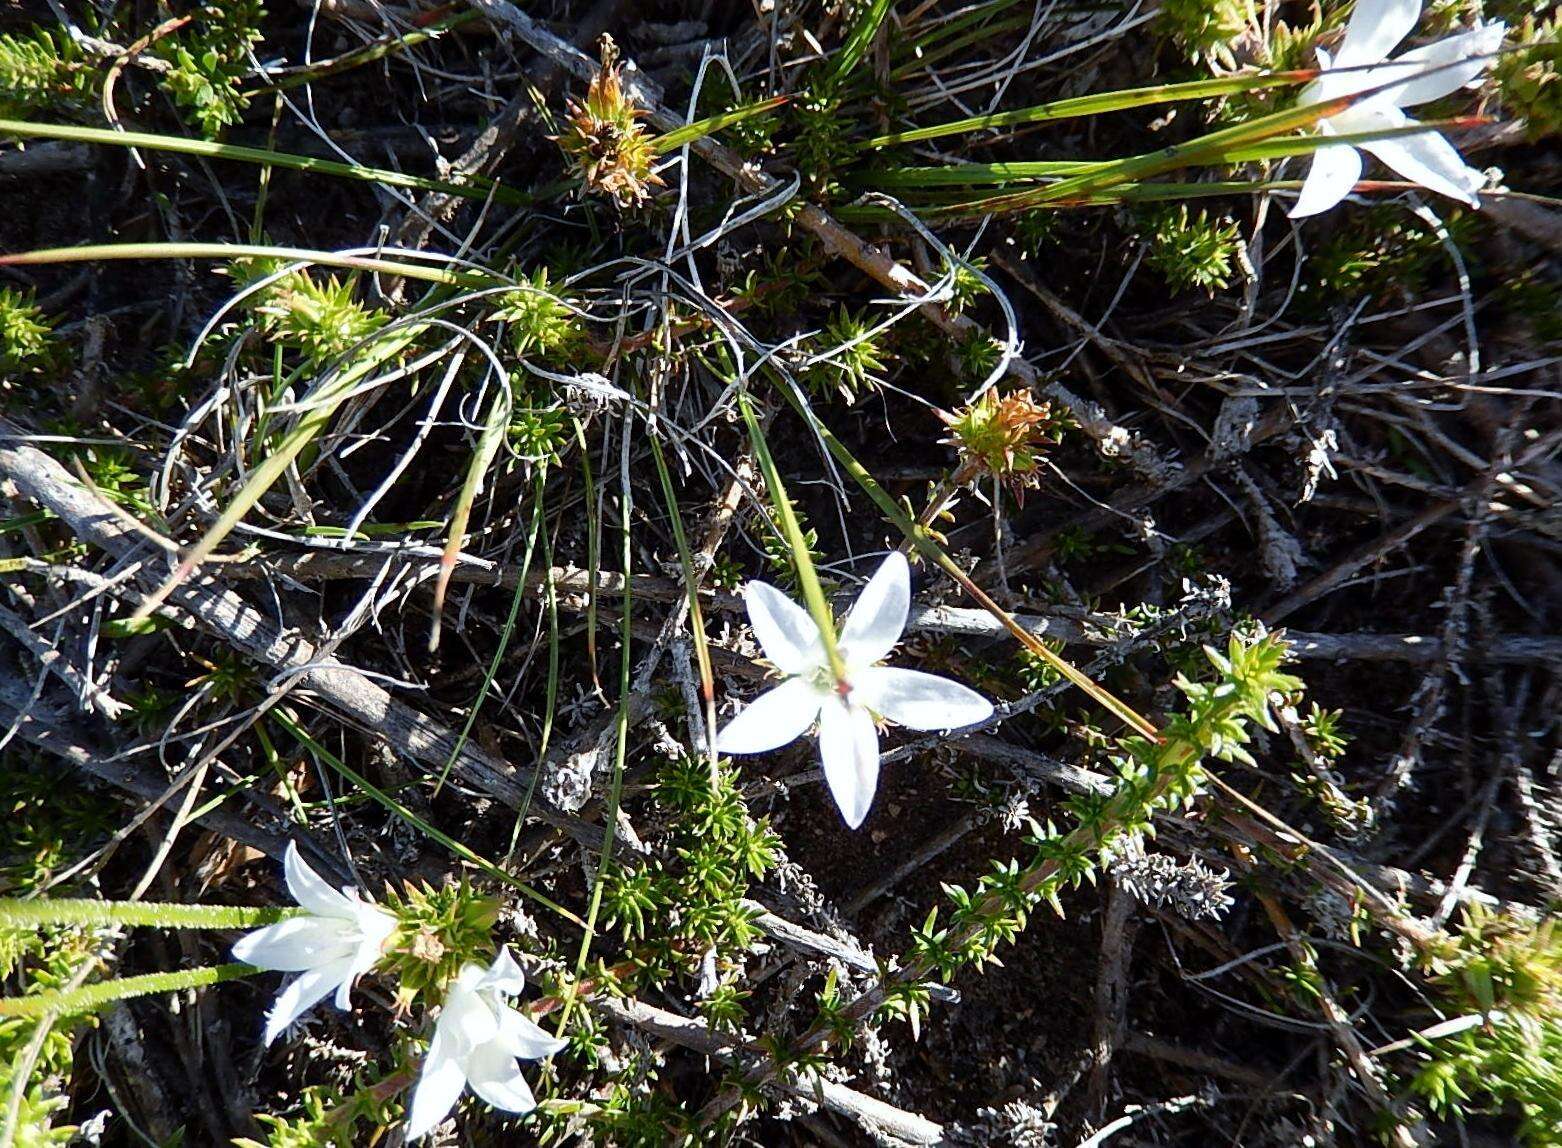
x=91, y=997
x=77, y=912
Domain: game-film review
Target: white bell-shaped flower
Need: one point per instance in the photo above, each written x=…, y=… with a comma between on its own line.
x=479, y=1040
x=845, y=709
x=331, y=945
x=1429, y=73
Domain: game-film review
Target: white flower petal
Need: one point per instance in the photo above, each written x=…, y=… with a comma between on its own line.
x=374, y=928
x=469, y=978
x=311, y=890
x=917, y=700
x=1430, y=160
x=296, y=944
x=467, y=1017
x=1376, y=27
x=439, y=1087
x=1335, y=170
x=849, y=752
x=788, y=635
x=504, y=975
x=496, y=1077
x=301, y=994
x=1443, y=67
x=774, y=718
x=476, y=1043
x=878, y=617
x=343, y=1000
x=1325, y=87
x=365, y=956
x=521, y=1036
x=1336, y=82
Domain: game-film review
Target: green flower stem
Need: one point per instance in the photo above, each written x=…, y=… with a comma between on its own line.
x=917, y=535
x=479, y=188
x=813, y=593
x=40, y=912
x=92, y=997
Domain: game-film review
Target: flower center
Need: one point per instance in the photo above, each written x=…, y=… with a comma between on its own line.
x=826, y=682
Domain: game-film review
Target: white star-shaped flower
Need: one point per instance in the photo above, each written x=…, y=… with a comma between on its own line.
x=1376, y=28
x=330, y=946
x=479, y=1040
x=845, y=709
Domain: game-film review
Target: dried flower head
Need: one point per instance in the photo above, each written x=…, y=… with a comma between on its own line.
x=1004, y=436
x=605, y=140
x=1191, y=889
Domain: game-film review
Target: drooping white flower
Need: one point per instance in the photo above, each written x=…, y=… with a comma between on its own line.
x=844, y=709
x=1376, y=28
x=479, y=1040
x=335, y=942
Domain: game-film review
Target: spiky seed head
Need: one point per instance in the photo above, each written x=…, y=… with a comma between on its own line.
x=437, y=931
x=1003, y=435
x=604, y=139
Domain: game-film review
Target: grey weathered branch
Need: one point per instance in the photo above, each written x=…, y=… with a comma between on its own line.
x=876, y=1116
x=808, y=941
x=1069, y=626
x=61, y=667
x=39, y=723
x=324, y=680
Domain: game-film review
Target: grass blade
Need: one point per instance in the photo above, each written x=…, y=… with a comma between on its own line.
x=93, y=252
x=859, y=39
x=615, y=792
x=466, y=853
x=687, y=134
x=1093, y=105
x=691, y=583
x=369, y=53
x=506, y=633
x=322, y=406
x=969, y=174
x=1022, y=171
x=488, y=445
x=1216, y=147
